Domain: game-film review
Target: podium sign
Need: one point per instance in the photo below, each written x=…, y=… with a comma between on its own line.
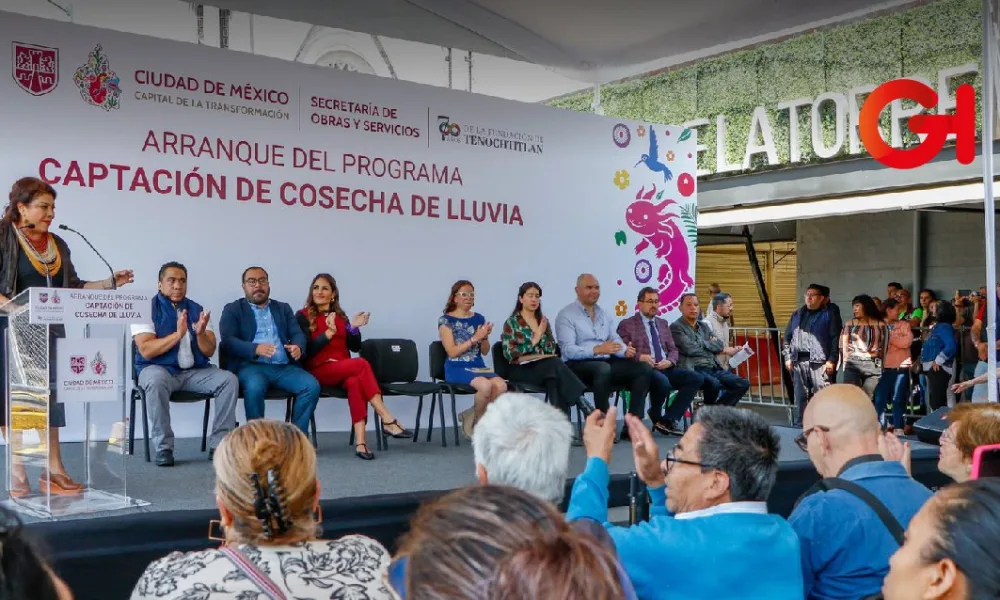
x=54, y=306
x=47, y=371
x=87, y=371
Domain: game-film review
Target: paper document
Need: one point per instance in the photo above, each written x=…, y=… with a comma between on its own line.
x=741, y=357
x=526, y=360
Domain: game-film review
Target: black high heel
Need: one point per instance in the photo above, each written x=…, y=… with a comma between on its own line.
x=366, y=455
x=403, y=434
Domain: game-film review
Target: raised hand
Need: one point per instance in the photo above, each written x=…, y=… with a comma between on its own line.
x=331, y=323
x=480, y=334
x=202, y=324
x=645, y=452
x=599, y=434
x=124, y=277
x=182, y=322
x=359, y=320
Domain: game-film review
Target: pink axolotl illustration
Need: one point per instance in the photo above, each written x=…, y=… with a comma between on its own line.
x=659, y=229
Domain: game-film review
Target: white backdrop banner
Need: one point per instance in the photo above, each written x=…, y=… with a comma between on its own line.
x=88, y=369
x=221, y=160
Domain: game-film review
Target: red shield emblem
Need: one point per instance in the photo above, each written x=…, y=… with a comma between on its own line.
x=35, y=68
x=78, y=364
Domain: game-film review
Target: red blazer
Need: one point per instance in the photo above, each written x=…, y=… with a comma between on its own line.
x=634, y=330
x=320, y=350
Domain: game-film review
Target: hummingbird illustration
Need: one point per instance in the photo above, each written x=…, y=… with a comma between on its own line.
x=652, y=160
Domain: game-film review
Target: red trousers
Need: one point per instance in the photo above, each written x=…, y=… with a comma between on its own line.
x=354, y=375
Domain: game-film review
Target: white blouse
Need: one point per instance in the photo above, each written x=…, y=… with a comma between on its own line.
x=350, y=567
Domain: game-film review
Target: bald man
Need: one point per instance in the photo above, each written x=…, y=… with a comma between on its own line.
x=590, y=345
x=845, y=544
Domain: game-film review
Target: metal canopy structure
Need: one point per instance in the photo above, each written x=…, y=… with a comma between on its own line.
x=591, y=41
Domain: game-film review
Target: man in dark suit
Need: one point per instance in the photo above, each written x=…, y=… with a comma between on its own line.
x=262, y=341
x=654, y=345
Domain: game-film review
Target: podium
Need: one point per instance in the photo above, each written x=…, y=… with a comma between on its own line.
x=49, y=374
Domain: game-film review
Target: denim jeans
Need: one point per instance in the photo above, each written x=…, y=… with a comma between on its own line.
x=255, y=379
x=894, y=386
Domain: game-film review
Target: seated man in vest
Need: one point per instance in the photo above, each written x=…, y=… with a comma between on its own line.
x=709, y=534
x=845, y=543
x=698, y=348
x=173, y=356
x=262, y=342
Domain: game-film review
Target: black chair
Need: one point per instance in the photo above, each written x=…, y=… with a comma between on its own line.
x=276, y=394
x=396, y=365
x=502, y=368
x=437, y=359
x=139, y=395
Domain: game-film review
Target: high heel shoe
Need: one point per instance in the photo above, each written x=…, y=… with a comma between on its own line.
x=404, y=433
x=58, y=484
x=366, y=455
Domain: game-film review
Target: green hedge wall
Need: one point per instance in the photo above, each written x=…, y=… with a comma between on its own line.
x=919, y=41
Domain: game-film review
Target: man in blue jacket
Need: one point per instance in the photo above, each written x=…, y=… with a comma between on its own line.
x=709, y=534
x=263, y=342
x=845, y=544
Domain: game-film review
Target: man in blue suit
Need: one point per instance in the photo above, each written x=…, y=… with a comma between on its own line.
x=263, y=342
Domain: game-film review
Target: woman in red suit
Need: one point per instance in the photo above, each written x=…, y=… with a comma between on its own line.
x=332, y=338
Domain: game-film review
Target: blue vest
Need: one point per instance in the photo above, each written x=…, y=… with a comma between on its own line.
x=165, y=323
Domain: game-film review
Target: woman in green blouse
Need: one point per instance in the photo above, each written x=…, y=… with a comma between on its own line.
x=530, y=346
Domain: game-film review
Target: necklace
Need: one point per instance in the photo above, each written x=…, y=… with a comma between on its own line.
x=46, y=261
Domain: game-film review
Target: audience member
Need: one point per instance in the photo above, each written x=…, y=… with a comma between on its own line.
x=894, y=384
x=698, y=347
x=654, y=344
x=841, y=435
x=332, y=336
x=500, y=543
x=718, y=321
x=524, y=443
x=937, y=355
x=24, y=574
x=892, y=288
x=172, y=355
x=861, y=343
x=811, y=348
x=268, y=495
x=950, y=548
x=263, y=342
x=709, y=533
x=530, y=347
x=466, y=338
x=980, y=334
x=595, y=352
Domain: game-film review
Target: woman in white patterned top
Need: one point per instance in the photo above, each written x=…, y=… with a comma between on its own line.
x=267, y=493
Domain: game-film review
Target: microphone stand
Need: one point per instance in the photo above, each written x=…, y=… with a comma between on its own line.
x=114, y=284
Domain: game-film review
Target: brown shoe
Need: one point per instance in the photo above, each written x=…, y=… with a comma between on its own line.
x=58, y=484
x=19, y=486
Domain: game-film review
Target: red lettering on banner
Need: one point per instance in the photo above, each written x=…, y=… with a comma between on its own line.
x=407, y=170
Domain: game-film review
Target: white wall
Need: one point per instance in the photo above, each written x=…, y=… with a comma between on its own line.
x=278, y=38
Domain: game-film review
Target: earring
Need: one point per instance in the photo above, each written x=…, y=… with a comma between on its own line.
x=212, y=525
x=318, y=516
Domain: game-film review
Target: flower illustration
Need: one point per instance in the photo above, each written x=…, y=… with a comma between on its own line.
x=640, y=131
x=621, y=179
x=670, y=156
x=621, y=309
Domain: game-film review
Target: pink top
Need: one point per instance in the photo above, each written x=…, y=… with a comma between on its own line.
x=900, y=338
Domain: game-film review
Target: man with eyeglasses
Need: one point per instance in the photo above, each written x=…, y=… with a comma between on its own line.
x=845, y=542
x=812, y=346
x=263, y=342
x=709, y=534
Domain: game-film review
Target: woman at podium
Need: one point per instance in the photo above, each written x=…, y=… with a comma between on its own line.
x=32, y=256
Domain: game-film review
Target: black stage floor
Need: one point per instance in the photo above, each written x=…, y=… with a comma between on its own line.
x=101, y=556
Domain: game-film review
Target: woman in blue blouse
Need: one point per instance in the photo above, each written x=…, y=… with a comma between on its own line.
x=466, y=339
x=937, y=355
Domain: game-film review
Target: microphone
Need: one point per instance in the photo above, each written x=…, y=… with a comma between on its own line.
x=114, y=284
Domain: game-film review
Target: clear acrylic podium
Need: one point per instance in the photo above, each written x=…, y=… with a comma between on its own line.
x=34, y=348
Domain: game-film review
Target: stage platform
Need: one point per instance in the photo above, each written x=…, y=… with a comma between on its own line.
x=376, y=498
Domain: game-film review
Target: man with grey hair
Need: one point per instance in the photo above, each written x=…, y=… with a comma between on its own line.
x=709, y=534
x=718, y=322
x=523, y=442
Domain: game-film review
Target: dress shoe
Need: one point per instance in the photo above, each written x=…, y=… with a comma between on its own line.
x=58, y=484
x=211, y=454
x=584, y=407
x=164, y=458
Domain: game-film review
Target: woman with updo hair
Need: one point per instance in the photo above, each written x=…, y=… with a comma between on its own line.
x=500, y=543
x=950, y=548
x=268, y=499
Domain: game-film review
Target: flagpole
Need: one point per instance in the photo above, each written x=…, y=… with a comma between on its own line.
x=988, y=200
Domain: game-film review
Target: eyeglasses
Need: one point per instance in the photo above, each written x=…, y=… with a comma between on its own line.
x=946, y=438
x=252, y=281
x=802, y=441
x=466, y=294
x=672, y=460
x=652, y=301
